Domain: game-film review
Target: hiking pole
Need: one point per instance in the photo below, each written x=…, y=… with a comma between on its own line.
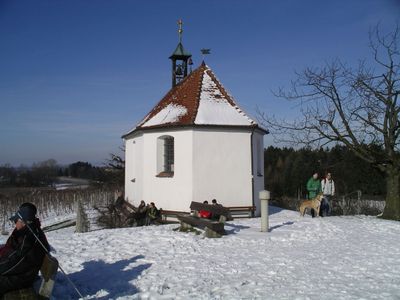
x=47, y=251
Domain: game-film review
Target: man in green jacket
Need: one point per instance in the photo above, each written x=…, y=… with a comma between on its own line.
x=152, y=214
x=313, y=188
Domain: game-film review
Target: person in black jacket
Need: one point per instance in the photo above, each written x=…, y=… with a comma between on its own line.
x=22, y=255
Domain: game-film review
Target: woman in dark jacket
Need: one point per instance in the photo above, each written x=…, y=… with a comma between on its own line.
x=22, y=255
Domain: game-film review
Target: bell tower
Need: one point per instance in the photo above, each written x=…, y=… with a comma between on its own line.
x=180, y=60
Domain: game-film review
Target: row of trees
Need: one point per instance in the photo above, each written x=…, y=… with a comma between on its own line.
x=47, y=173
x=287, y=171
x=39, y=174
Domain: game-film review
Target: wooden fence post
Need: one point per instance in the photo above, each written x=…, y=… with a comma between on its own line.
x=82, y=222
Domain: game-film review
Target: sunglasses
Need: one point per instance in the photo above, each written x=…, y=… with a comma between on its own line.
x=16, y=221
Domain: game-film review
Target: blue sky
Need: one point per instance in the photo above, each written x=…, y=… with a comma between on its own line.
x=76, y=74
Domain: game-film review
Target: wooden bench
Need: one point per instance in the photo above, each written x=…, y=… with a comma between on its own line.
x=48, y=273
x=166, y=214
x=242, y=211
x=213, y=227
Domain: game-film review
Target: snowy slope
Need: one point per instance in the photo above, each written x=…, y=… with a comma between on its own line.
x=301, y=258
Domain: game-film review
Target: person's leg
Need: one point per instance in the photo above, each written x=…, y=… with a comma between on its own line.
x=323, y=207
x=328, y=206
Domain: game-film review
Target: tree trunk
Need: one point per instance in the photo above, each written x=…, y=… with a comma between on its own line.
x=392, y=208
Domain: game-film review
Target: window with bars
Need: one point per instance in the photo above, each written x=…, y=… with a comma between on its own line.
x=165, y=156
x=169, y=154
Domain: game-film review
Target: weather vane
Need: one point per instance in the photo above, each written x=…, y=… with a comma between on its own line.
x=205, y=52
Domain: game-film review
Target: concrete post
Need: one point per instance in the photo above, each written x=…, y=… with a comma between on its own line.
x=264, y=197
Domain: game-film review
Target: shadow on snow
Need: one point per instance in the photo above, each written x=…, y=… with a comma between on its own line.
x=113, y=279
x=280, y=225
x=235, y=228
x=274, y=209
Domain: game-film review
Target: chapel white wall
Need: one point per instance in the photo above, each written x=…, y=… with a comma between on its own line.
x=258, y=167
x=134, y=168
x=169, y=193
x=222, y=166
x=209, y=164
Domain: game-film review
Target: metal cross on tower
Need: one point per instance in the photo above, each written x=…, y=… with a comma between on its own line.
x=180, y=59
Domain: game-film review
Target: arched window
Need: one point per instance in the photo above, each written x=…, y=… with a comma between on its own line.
x=165, y=156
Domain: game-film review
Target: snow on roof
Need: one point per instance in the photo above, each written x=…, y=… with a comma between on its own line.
x=199, y=99
x=215, y=109
x=169, y=114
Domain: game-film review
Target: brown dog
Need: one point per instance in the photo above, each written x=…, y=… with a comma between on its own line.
x=313, y=203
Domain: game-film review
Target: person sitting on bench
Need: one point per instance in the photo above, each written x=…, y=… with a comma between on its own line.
x=215, y=216
x=205, y=213
x=152, y=214
x=22, y=255
x=141, y=213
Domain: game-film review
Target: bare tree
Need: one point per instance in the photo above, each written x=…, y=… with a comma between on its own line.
x=355, y=107
x=116, y=164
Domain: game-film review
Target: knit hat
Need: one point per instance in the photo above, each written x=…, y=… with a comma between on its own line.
x=24, y=213
x=31, y=205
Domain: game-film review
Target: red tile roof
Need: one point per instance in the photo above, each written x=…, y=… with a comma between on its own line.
x=199, y=90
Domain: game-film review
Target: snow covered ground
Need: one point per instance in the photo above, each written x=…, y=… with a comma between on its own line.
x=300, y=258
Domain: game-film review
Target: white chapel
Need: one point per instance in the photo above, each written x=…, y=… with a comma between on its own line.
x=196, y=144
